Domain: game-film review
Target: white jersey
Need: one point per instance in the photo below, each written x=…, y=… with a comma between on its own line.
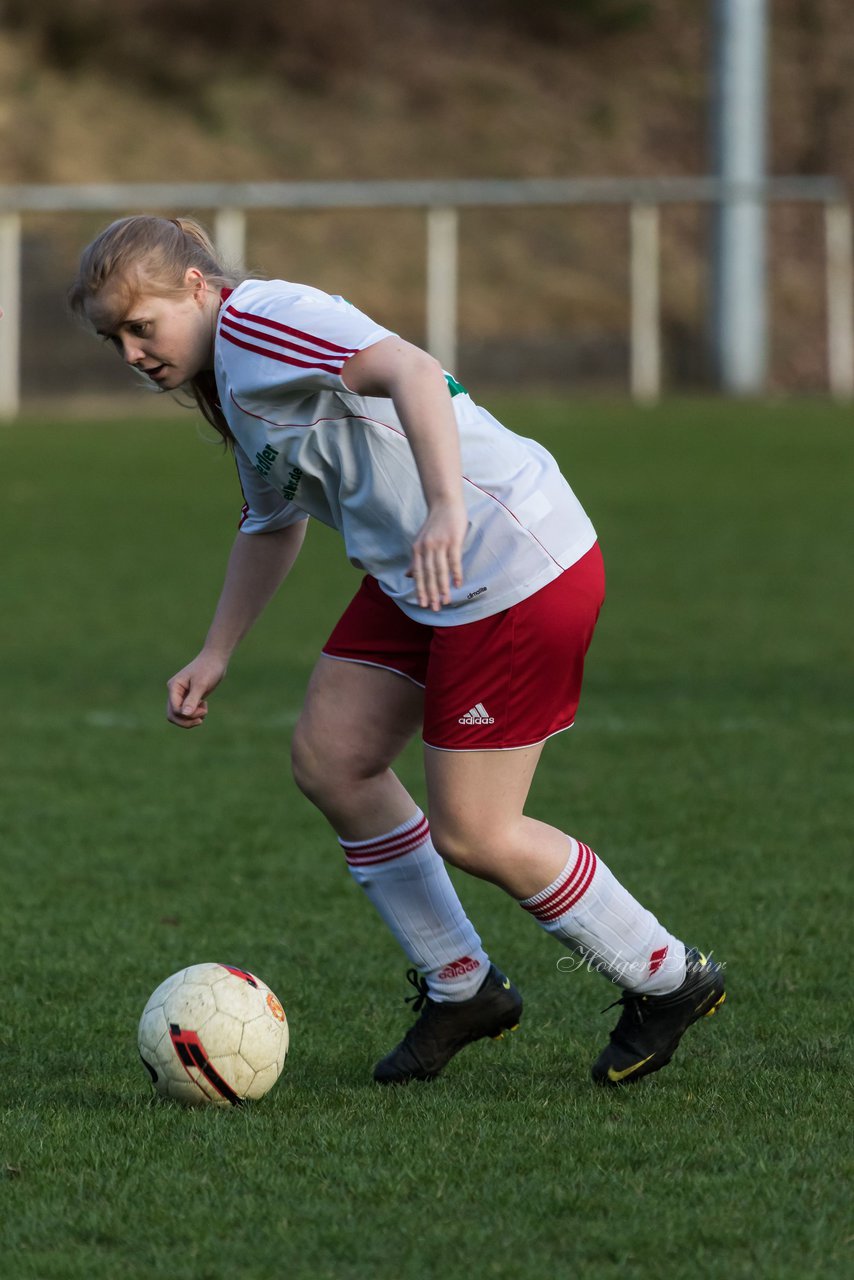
x=306, y=445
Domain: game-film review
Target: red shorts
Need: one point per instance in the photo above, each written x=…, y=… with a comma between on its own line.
x=510, y=680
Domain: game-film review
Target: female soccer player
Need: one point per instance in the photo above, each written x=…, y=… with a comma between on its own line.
x=483, y=584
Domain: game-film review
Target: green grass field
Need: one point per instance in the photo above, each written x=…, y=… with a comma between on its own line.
x=710, y=767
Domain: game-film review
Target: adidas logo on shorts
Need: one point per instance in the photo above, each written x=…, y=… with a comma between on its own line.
x=477, y=715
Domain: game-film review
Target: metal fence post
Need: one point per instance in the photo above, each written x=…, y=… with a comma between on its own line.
x=645, y=353
x=840, y=300
x=442, y=286
x=230, y=237
x=740, y=36
x=10, y=325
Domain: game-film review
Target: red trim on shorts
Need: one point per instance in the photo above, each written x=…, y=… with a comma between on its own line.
x=517, y=746
x=363, y=662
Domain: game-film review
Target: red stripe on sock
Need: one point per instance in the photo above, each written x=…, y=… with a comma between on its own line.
x=563, y=888
x=384, y=842
x=569, y=891
x=574, y=889
x=386, y=847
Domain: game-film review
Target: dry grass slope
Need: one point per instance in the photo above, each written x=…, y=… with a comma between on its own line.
x=379, y=90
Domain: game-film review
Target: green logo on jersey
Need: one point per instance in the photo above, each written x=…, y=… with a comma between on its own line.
x=455, y=388
x=264, y=460
x=289, y=490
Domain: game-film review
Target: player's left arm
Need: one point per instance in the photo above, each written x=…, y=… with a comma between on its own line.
x=416, y=384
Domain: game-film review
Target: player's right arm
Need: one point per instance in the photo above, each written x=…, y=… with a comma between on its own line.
x=257, y=566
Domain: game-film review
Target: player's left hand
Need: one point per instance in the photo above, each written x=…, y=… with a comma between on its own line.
x=437, y=554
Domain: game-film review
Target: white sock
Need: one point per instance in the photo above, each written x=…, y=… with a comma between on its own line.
x=408, y=883
x=588, y=910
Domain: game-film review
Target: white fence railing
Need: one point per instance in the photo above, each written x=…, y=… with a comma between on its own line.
x=442, y=201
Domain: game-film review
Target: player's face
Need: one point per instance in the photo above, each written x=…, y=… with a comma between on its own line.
x=170, y=340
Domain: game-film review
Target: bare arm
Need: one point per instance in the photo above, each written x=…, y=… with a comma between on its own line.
x=257, y=566
x=416, y=384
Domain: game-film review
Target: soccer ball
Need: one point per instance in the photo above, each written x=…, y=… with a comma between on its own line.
x=213, y=1033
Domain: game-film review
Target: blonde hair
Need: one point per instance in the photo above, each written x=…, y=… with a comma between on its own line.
x=144, y=254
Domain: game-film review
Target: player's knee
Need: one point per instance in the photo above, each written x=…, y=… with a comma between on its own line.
x=325, y=769
x=466, y=846
x=312, y=768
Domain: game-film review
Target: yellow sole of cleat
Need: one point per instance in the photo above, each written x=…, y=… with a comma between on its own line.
x=715, y=1006
x=500, y=1035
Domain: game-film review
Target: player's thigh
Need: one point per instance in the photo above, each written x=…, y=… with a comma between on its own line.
x=356, y=718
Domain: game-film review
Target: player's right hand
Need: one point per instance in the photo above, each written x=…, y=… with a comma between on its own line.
x=437, y=561
x=189, y=688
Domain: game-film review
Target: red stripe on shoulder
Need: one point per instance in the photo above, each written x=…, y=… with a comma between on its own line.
x=273, y=355
x=288, y=344
x=295, y=333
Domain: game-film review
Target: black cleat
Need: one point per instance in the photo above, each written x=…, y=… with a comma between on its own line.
x=445, y=1027
x=650, y=1027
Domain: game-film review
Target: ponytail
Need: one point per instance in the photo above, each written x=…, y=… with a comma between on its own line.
x=147, y=254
